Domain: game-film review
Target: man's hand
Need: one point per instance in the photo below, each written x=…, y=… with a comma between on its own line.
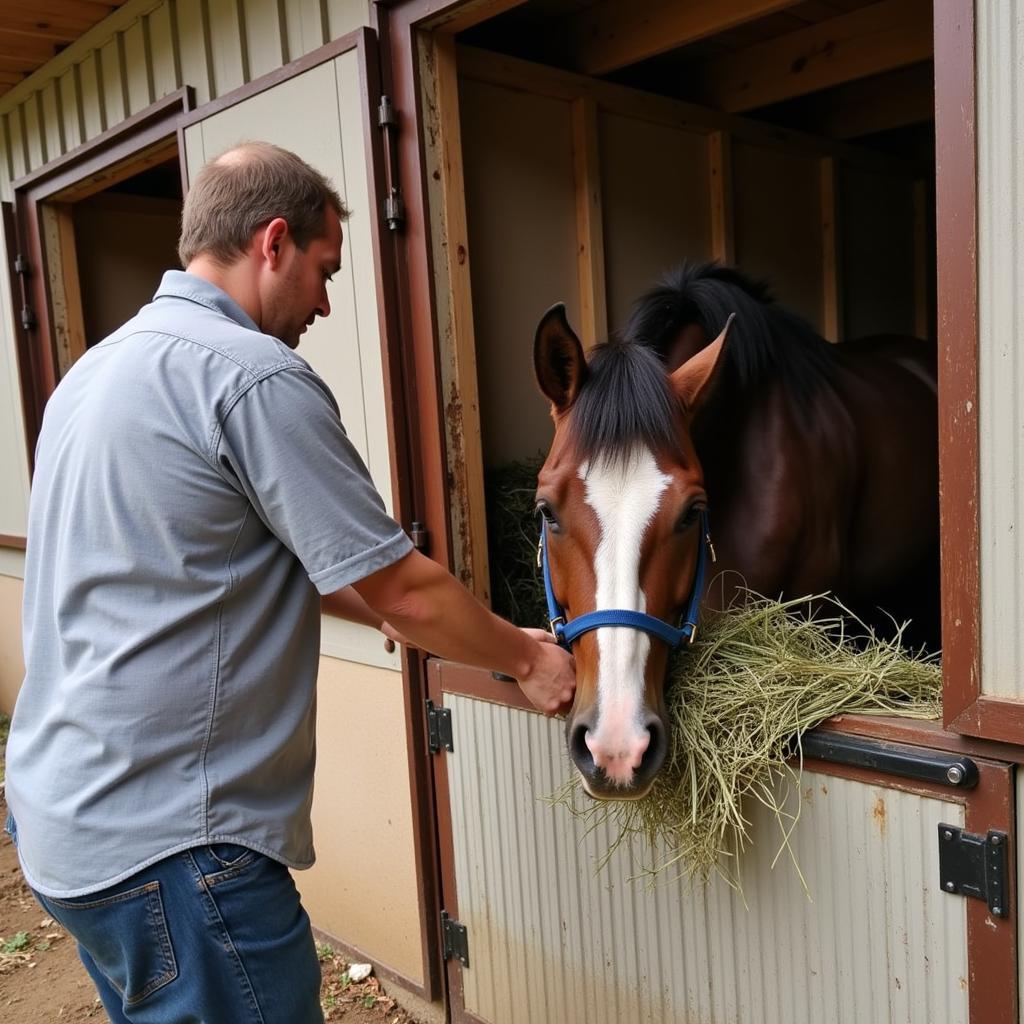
x=551, y=682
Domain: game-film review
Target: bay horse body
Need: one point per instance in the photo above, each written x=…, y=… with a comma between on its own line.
x=816, y=464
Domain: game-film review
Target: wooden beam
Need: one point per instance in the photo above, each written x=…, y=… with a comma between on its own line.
x=613, y=34
x=455, y=325
x=589, y=225
x=924, y=301
x=876, y=104
x=723, y=239
x=867, y=41
x=831, y=252
x=469, y=14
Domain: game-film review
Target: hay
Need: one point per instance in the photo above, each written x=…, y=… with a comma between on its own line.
x=738, y=701
x=517, y=589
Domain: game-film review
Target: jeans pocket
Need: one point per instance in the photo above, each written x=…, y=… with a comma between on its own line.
x=231, y=861
x=11, y=828
x=125, y=934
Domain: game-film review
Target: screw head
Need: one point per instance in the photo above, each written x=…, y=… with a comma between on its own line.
x=995, y=840
x=951, y=886
x=947, y=835
x=955, y=774
x=997, y=910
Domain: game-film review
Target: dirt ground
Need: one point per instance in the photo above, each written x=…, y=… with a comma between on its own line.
x=42, y=980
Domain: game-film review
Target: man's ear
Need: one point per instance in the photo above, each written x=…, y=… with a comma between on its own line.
x=695, y=379
x=558, y=359
x=270, y=243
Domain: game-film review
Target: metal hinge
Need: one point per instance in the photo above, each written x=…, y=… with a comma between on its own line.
x=439, y=729
x=22, y=266
x=23, y=269
x=975, y=866
x=394, y=207
x=419, y=536
x=455, y=939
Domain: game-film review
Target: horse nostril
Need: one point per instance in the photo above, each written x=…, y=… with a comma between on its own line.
x=578, y=749
x=657, y=748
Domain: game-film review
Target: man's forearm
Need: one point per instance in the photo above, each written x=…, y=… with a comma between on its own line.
x=347, y=604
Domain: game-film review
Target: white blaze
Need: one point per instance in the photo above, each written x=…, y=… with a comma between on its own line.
x=624, y=494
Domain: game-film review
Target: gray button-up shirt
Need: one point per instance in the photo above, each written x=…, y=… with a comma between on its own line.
x=194, y=489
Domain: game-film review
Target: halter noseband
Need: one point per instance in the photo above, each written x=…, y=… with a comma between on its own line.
x=566, y=632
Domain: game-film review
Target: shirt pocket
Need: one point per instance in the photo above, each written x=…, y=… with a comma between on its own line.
x=126, y=935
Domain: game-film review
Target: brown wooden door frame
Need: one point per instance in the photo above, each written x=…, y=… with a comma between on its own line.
x=966, y=709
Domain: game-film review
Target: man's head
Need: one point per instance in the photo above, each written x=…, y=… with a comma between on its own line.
x=265, y=226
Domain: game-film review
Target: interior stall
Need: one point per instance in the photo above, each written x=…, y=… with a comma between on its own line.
x=552, y=185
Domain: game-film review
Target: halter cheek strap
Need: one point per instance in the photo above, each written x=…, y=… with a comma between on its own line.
x=566, y=632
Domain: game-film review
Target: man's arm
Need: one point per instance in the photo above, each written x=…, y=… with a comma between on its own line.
x=347, y=604
x=429, y=606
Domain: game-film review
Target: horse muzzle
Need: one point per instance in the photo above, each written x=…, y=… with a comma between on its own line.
x=617, y=760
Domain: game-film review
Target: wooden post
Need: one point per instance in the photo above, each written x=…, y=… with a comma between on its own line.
x=589, y=225
x=455, y=325
x=831, y=256
x=723, y=241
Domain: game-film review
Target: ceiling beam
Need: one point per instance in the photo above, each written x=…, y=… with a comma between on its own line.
x=613, y=34
x=867, y=41
x=901, y=98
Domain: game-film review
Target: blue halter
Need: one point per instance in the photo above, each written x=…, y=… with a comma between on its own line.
x=566, y=632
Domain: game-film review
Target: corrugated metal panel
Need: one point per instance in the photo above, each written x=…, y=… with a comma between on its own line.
x=1000, y=130
x=553, y=940
x=145, y=50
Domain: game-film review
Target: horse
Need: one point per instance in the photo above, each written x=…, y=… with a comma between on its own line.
x=814, y=465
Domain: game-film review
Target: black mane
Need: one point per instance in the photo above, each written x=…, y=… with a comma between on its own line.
x=626, y=400
x=765, y=340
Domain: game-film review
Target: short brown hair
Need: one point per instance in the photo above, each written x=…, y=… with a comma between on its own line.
x=245, y=188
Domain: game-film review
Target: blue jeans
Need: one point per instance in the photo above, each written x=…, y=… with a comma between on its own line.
x=214, y=935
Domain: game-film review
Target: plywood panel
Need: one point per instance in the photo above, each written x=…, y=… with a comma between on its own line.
x=230, y=58
x=777, y=221
x=113, y=83
x=71, y=108
x=521, y=212
x=265, y=35
x=877, y=238
x=656, y=205
x=1000, y=98
x=363, y=887
x=554, y=939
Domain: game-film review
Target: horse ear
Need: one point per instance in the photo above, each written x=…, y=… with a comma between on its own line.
x=692, y=381
x=558, y=359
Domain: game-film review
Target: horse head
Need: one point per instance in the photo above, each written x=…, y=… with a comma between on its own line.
x=624, y=511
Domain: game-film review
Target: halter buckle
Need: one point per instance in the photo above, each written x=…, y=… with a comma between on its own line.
x=693, y=634
x=540, y=552
x=711, y=547
x=553, y=625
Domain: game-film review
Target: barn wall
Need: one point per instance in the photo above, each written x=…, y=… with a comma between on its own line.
x=363, y=889
x=552, y=938
x=1000, y=99
x=139, y=54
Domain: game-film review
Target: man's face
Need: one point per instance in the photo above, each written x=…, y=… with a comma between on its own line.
x=297, y=292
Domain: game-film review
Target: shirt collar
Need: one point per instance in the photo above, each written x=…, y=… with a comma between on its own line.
x=180, y=285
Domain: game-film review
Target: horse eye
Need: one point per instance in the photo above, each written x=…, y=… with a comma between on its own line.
x=544, y=511
x=690, y=517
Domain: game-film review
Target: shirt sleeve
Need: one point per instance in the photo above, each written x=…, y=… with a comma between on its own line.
x=283, y=444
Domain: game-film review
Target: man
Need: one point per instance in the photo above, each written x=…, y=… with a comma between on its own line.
x=194, y=491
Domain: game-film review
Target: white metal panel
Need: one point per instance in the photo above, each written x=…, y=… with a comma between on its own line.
x=1000, y=135
x=553, y=940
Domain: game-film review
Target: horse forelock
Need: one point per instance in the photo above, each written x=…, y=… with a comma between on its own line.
x=764, y=340
x=625, y=401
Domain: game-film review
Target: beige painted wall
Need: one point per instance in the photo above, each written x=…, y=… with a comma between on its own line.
x=363, y=886
x=12, y=667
